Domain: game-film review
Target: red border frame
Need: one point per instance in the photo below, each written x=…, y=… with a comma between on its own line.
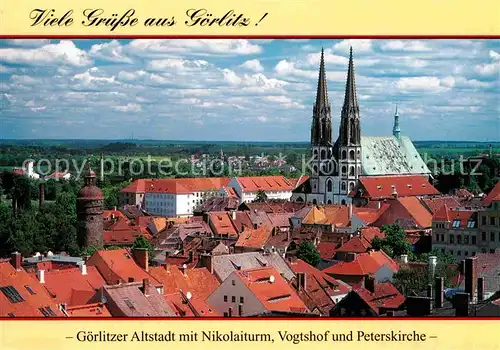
x=371, y=319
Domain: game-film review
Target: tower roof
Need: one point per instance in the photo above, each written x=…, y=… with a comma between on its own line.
x=351, y=98
x=89, y=172
x=322, y=92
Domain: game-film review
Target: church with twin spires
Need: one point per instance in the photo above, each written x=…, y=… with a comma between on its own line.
x=337, y=166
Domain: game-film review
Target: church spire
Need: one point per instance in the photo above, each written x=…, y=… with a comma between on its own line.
x=396, y=131
x=350, y=129
x=321, y=132
x=351, y=106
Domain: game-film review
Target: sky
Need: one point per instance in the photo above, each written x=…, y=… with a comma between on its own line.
x=244, y=90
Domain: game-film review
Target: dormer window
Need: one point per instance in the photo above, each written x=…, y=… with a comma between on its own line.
x=471, y=224
x=456, y=223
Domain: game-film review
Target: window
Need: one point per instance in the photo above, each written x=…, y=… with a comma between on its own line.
x=225, y=298
x=459, y=253
x=473, y=239
x=47, y=311
x=233, y=299
x=442, y=237
x=129, y=303
x=443, y=251
x=471, y=224
x=483, y=236
x=492, y=221
x=28, y=288
x=226, y=314
x=483, y=220
x=456, y=223
x=451, y=252
x=242, y=300
x=492, y=236
x=452, y=239
x=233, y=282
x=466, y=253
x=329, y=185
x=492, y=251
x=343, y=186
x=351, y=171
x=459, y=239
x=466, y=239
x=351, y=154
x=12, y=294
x=10, y=314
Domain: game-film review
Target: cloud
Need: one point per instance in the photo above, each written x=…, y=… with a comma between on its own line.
x=262, y=119
x=253, y=65
x=254, y=83
x=432, y=84
x=28, y=42
x=177, y=64
x=112, y=51
x=490, y=69
x=287, y=68
x=64, y=52
x=285, y=102
x=405, y=45
x=88, y=79
x=358, y=46
x=129, y=107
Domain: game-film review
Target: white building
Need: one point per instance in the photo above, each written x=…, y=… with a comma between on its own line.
x=275, y=187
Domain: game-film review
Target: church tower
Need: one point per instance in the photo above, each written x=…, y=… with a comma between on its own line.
x=348, y=145
x=89, y=208
x=322, y=181
x=396, y=131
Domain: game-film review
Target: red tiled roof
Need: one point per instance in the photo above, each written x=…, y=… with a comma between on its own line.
x=406, y=212
x=254, y=238
x=355, y=245
x=380, y=187
x=434, y=204
x=56, y=175
x=296, y=182
x=419, y=213
x=221, y=224
x=89, y=310
x=241, y=219
x=118, y=265
x=369, y=233
x=493, y=195
x=265, y=183
x=190, y=308
x=177, y=186
x=71, y=287
x=464, y=216
x=385, y=296
x=327, y=249
x=123, y=231
x=364, y=264
x=369, y=215
x=22, y=282
x=274, y=296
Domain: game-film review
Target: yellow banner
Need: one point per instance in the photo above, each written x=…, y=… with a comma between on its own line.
x=251, y=334
x=250, y=18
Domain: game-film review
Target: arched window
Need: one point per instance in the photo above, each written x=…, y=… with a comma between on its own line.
x=351, y=186
x=300, y=199
x=329, y=185
x=315, y=154
x=329, y=201
x=351, y=154
x=315, y=169
x=343, y=186
x=343, y=202
x=359, y=154
x=351, y=171
x=344, y=154
x=344, y=170
x=323, y=154
x=315, y=201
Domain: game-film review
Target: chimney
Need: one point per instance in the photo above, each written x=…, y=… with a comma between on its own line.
x=480, y=289
x=42, y=196
x=439, y=292
x=41, y=276
x=470, y=276
x=378, y=205
x=240, y=309
x=230, y=312
x=350, y=211
x=63, y=307
x=461, y=303
x=301, y=280
x=432, y=265
x=141, y=258
x=233, y=214
x=403, y=258
x=190, y=254
x=183, y=269
x=370, y=284
x=206, y=261
x=350, y=257
x=288, y=235
x=341, y=241
x=418, y=306
x=146, y=285
x=15, y=260
x=83, y=269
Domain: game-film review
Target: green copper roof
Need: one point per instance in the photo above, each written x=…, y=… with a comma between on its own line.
x=386, y=155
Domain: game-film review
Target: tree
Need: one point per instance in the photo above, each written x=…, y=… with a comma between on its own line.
x=142, y=243
x=415, y=280
x=394, y=243
x=308, y=252
x=261, y=196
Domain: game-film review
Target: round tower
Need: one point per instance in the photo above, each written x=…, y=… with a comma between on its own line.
x=89, y=208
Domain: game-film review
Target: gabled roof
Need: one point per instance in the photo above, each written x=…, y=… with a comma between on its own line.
x=241, y=220
x=369, y=233
x=385, y=296
x=184, y=307
x=493, y=195
x=118, y=265
x=369, y=215
x=264, y=183
x=221, y=224
x=272, y=290
x=364, y=264
x=434, y=204
x=407, y=212
x=461, y=215
x=70, y=286
x=88, y=310
x=224, y=265
x=178, y=185
x=355, y=245
x=296, y=182
x=254, y=238
x=384, y=187
x=22, y=295
x=327, y=250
